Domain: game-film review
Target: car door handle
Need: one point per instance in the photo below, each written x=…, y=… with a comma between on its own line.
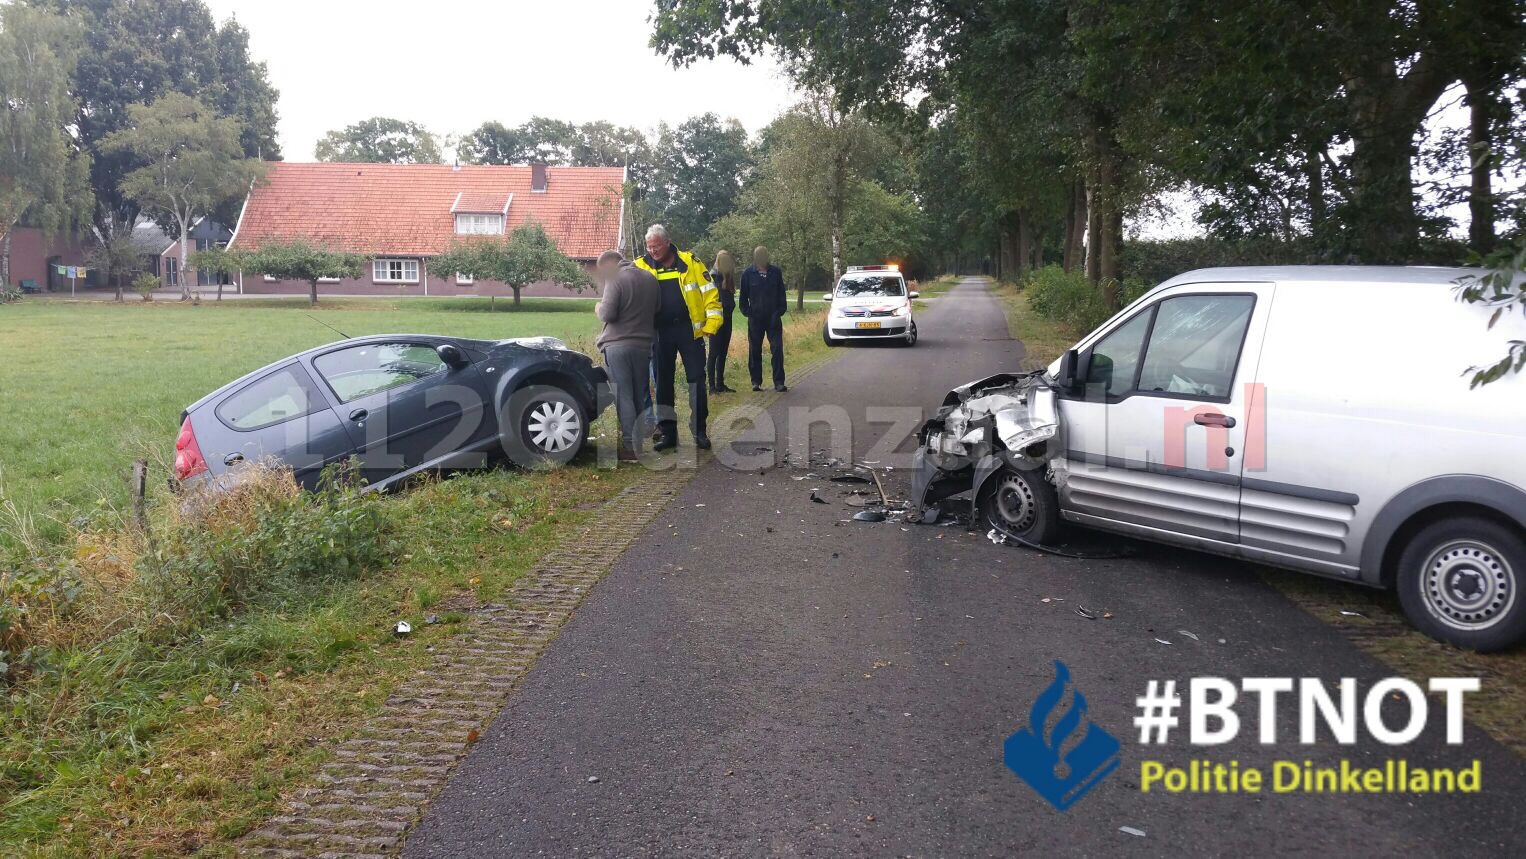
x=1213, y=419
x=233, y=459
x=359, y=415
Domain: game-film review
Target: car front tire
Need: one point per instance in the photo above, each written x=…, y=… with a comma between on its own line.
x=1459, y=581
x=911, y=336
x=544, y=426
x=1020, y=503
x=826, y=337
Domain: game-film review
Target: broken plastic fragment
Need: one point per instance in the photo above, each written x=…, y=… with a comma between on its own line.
x=1129, y=830
x=869, y=516
x=403, y=627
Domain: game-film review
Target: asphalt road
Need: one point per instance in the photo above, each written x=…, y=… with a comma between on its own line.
x=759, y=676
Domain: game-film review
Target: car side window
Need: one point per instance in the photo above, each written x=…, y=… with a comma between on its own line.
x=1115, y=358
x=1195, y=345
x=360, y=371
x=285, y=394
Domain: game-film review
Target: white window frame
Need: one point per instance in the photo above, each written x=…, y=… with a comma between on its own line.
x=464, y=279
x=478, y=224
x=394, y=270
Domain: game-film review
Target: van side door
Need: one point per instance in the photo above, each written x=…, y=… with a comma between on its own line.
x=1156, y=445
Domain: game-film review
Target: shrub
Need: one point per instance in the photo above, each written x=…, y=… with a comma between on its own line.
x=262, y=535
x=144, y=285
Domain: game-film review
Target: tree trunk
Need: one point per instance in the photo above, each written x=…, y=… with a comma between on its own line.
x=1314, y=172
x=185, y=276
x=5, y=256
x=516, y=295
x=312, y=293
x=1075, y=227
x=1481, y=210
x=1093, y=236
x=1109, y=253
x=1024, y=249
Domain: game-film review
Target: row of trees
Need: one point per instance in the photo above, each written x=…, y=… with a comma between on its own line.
x=1042, y=122
x=116, y=110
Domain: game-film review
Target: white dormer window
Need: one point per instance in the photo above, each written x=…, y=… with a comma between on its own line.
x=479, y=225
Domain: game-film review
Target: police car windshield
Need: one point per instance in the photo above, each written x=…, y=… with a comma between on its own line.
x=871, y=286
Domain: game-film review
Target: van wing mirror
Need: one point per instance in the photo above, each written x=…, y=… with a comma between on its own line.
x=1067, y=378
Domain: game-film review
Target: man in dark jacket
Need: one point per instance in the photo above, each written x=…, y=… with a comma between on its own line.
x=764, y=303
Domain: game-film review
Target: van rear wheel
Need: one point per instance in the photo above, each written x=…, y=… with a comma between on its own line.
x=1459, y=580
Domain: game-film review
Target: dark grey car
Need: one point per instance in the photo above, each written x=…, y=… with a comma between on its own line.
x=400, y=403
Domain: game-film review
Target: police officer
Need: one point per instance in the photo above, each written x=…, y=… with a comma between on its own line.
x=688, y=310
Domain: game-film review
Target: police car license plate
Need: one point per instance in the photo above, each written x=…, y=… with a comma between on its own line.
x=868, y=325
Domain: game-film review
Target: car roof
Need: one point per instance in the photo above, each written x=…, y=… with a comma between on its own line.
x=352, y=341
x=1291, y=274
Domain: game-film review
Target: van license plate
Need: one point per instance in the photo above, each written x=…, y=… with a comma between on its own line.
x=868, y=325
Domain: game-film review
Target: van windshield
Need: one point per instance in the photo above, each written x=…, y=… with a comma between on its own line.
x=877, y=287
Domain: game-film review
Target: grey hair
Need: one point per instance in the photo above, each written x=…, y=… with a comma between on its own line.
x=611, y=256
x=658, y=230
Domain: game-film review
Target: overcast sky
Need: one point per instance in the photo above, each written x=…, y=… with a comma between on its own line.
x=453, y=64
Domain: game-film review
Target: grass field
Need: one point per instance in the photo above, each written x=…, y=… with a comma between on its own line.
x=86, y=387
x=118, y=739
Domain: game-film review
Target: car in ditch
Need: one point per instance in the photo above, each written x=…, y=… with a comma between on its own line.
x=870, y=302
x=399, y=404
x=1320, y=419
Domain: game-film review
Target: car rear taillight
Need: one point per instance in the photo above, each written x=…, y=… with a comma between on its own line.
x=188, y=459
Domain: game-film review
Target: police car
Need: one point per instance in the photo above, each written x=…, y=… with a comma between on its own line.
x=871, y=302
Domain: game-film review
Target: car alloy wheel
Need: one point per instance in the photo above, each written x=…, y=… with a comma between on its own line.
x=554, y=426
x=911, y=334
x=1468, y=584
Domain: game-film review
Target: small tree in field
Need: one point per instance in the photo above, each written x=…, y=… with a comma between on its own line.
x=293, y=260
x=527, y=256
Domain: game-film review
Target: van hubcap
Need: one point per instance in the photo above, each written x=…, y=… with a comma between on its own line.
x=1468, y=584
x=554, y=427
x=1015, y=505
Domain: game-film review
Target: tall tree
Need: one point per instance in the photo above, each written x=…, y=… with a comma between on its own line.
x=297, y=259
x=42, y=177
x=133, y=52
x=192, y=163
x=698, y=172
x=380, y=140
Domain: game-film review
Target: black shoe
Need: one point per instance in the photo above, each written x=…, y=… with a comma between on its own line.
x=723, y=389
x=781, y=388
x=665, y=443
x=757, y=387
x=702, y=441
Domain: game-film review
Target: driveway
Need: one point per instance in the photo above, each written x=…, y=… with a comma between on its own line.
x=759, y=676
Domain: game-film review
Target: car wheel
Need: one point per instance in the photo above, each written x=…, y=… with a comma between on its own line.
x=827, y=338
x=1020, y=503
x=911, y=336
x=1459, y=580
x=546, y=426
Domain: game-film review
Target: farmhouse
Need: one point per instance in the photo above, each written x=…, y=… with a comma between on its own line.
x=401, y=215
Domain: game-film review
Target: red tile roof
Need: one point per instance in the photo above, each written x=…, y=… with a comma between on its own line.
x=406, y=209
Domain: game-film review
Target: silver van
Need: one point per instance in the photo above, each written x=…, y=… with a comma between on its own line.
x=1313, y=418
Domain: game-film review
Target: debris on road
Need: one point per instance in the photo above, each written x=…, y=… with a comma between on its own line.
x=817, y=498
x=869, y=516
x=1129, y=830
x=1188, y=634
x=1346, y=613
x=1086, y=612
x=1162, y=641
x=593, y=779
x=849, y=478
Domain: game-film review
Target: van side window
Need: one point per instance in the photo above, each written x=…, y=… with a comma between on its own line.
x=1195, y=345
x=1115, y=358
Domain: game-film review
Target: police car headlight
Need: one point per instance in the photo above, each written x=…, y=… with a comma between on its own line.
x=903, y=310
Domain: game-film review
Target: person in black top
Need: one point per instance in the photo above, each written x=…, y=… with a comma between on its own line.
x=764, y=303
x=724, y=276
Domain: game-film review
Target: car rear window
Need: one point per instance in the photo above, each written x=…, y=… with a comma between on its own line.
x=281, y=396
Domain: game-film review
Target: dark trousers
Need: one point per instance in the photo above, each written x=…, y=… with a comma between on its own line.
x=771, y=327
x=672, y=348
x=715, y=358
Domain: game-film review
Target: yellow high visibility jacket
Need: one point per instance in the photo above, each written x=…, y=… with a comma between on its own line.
x=700, y=295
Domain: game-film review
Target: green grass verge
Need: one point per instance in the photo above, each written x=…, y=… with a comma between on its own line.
x=123, y=745
x=1380, y=630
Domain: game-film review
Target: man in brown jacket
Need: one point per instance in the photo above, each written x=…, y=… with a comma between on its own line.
x=628, y=309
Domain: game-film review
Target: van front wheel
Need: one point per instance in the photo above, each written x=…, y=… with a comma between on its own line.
x=1022, y=504
x=1459, y=580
